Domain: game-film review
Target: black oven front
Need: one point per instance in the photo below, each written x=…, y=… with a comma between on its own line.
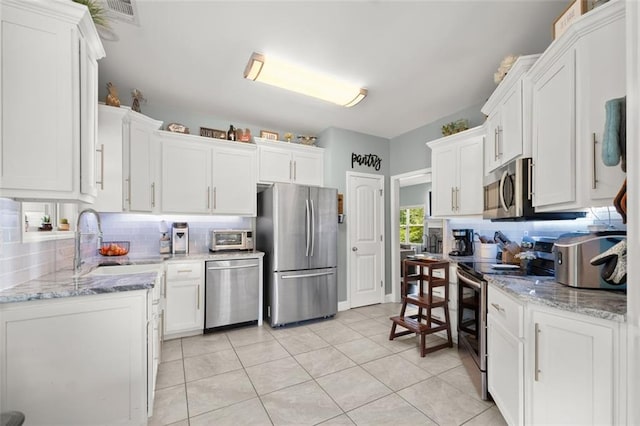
x=472, y=325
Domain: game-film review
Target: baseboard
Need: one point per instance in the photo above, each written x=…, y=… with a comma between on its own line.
x=344, y=306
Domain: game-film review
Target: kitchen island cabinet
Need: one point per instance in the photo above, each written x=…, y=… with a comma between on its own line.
x=457, y=167
x=289, y=163
x=76, y=360
x=49, y=101
x=200, y=175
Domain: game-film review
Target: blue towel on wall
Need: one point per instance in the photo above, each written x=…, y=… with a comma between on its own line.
x=614, y=136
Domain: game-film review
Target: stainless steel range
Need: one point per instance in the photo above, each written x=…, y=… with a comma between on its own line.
x=472, y=306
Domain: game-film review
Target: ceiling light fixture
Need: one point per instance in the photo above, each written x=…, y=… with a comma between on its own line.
x=291, y=77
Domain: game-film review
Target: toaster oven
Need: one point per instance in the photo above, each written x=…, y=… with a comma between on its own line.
x=230, y=239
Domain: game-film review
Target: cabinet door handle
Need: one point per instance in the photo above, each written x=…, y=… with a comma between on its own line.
x=536, y=365
x=457, y=198
x=497, y=307
x=594, y=182
x=499, y=142
x=295, y=170
x=198, y=291
x=290, y=169
x=495, y=144
x=181, y=271
x=452, y=195
x=101, y=181
x=530, y=181
x=153, y=194
x=215, y=197
x=128, y=188
x=208, y=197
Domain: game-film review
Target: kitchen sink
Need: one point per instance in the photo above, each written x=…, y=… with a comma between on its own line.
x=125, y=269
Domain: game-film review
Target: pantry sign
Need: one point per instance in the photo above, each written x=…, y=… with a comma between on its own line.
x=369, y=160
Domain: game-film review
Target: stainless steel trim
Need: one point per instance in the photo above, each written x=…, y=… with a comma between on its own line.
x=536, y=365
x=313, y=228
x=504, y=177
x=307, y=228
x=316, y=274
x=466, y=280
x=217, y=268
x=101, y=181
x=594, y=182
x=153, y=194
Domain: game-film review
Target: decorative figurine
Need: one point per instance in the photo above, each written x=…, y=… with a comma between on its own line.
x=137, y=99
x=112, y=96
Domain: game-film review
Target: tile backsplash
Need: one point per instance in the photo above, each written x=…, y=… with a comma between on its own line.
x=24, y=261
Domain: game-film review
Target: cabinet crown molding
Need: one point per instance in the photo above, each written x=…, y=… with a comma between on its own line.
x=515, y=74
x=590, y=21
x=477, y=131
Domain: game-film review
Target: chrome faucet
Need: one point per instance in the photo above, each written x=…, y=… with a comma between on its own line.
x=77, y=261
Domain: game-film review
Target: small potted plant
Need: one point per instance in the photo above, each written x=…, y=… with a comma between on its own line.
x=46, y=223
x=63, y=225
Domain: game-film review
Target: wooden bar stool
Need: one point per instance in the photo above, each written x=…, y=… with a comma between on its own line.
x=423, y=323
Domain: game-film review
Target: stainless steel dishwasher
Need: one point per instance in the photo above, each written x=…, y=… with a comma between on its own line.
x=231, y=292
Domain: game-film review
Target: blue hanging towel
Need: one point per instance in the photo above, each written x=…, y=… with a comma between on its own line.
x=611, y=137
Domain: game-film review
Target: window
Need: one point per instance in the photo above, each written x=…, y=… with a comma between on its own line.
x=411, y=225
x=34, y=213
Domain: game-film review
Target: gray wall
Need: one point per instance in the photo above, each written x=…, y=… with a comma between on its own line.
x=409, y=152
x=339, y=145
x=414, y=195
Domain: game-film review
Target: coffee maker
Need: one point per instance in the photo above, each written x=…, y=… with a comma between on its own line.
x=463, y=243
x=180, y=238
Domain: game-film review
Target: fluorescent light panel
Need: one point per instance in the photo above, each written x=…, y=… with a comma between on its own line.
x=291, y=77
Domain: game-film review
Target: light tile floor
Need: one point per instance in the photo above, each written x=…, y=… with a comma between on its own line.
x=341, y=371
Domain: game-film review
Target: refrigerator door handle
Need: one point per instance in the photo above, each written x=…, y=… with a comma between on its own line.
x=313, y=228
x=316, y=274
x=308, y=228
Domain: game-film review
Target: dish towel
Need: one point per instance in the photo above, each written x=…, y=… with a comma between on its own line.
x=614, y=136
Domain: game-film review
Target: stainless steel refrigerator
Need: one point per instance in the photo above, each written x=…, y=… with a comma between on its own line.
x=297, y=229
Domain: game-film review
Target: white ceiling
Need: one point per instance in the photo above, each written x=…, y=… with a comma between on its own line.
x=420, y=60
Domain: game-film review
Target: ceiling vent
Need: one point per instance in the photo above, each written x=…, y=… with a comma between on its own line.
x=122, y=10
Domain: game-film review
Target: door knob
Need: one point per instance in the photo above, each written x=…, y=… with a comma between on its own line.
x=354, y=248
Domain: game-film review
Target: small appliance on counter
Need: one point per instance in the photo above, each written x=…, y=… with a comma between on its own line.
x=230, y=239
x=574, y=253
x=180, y=238
x=463, y=242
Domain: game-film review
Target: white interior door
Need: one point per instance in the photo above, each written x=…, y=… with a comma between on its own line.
x=365, y=238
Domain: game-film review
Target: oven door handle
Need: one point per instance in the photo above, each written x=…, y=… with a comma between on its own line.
x=471, y=283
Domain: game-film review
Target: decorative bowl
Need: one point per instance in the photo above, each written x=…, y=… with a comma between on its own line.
x=114, y=248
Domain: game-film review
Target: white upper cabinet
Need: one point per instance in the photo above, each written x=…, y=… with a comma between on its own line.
x=127, y=161
x=290, y=163
x=571, y=82
x=203, y=175
x=141, y=163
x=508, y=120
x=49, y=101
x=457, y=170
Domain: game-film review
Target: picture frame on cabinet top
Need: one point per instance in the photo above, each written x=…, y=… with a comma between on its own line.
x=576, y=9
x=213, y=133
x=268, y=134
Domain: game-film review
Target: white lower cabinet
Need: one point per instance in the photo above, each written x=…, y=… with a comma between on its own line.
x=184, y=311
x=76, y=361
x=505, y=362
x=571, y=369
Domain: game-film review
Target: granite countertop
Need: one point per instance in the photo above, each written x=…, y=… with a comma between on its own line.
x=605, y=304
x=66, y=283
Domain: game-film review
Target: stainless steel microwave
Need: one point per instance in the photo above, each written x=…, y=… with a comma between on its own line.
x=508, y=195
x=230, y=239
